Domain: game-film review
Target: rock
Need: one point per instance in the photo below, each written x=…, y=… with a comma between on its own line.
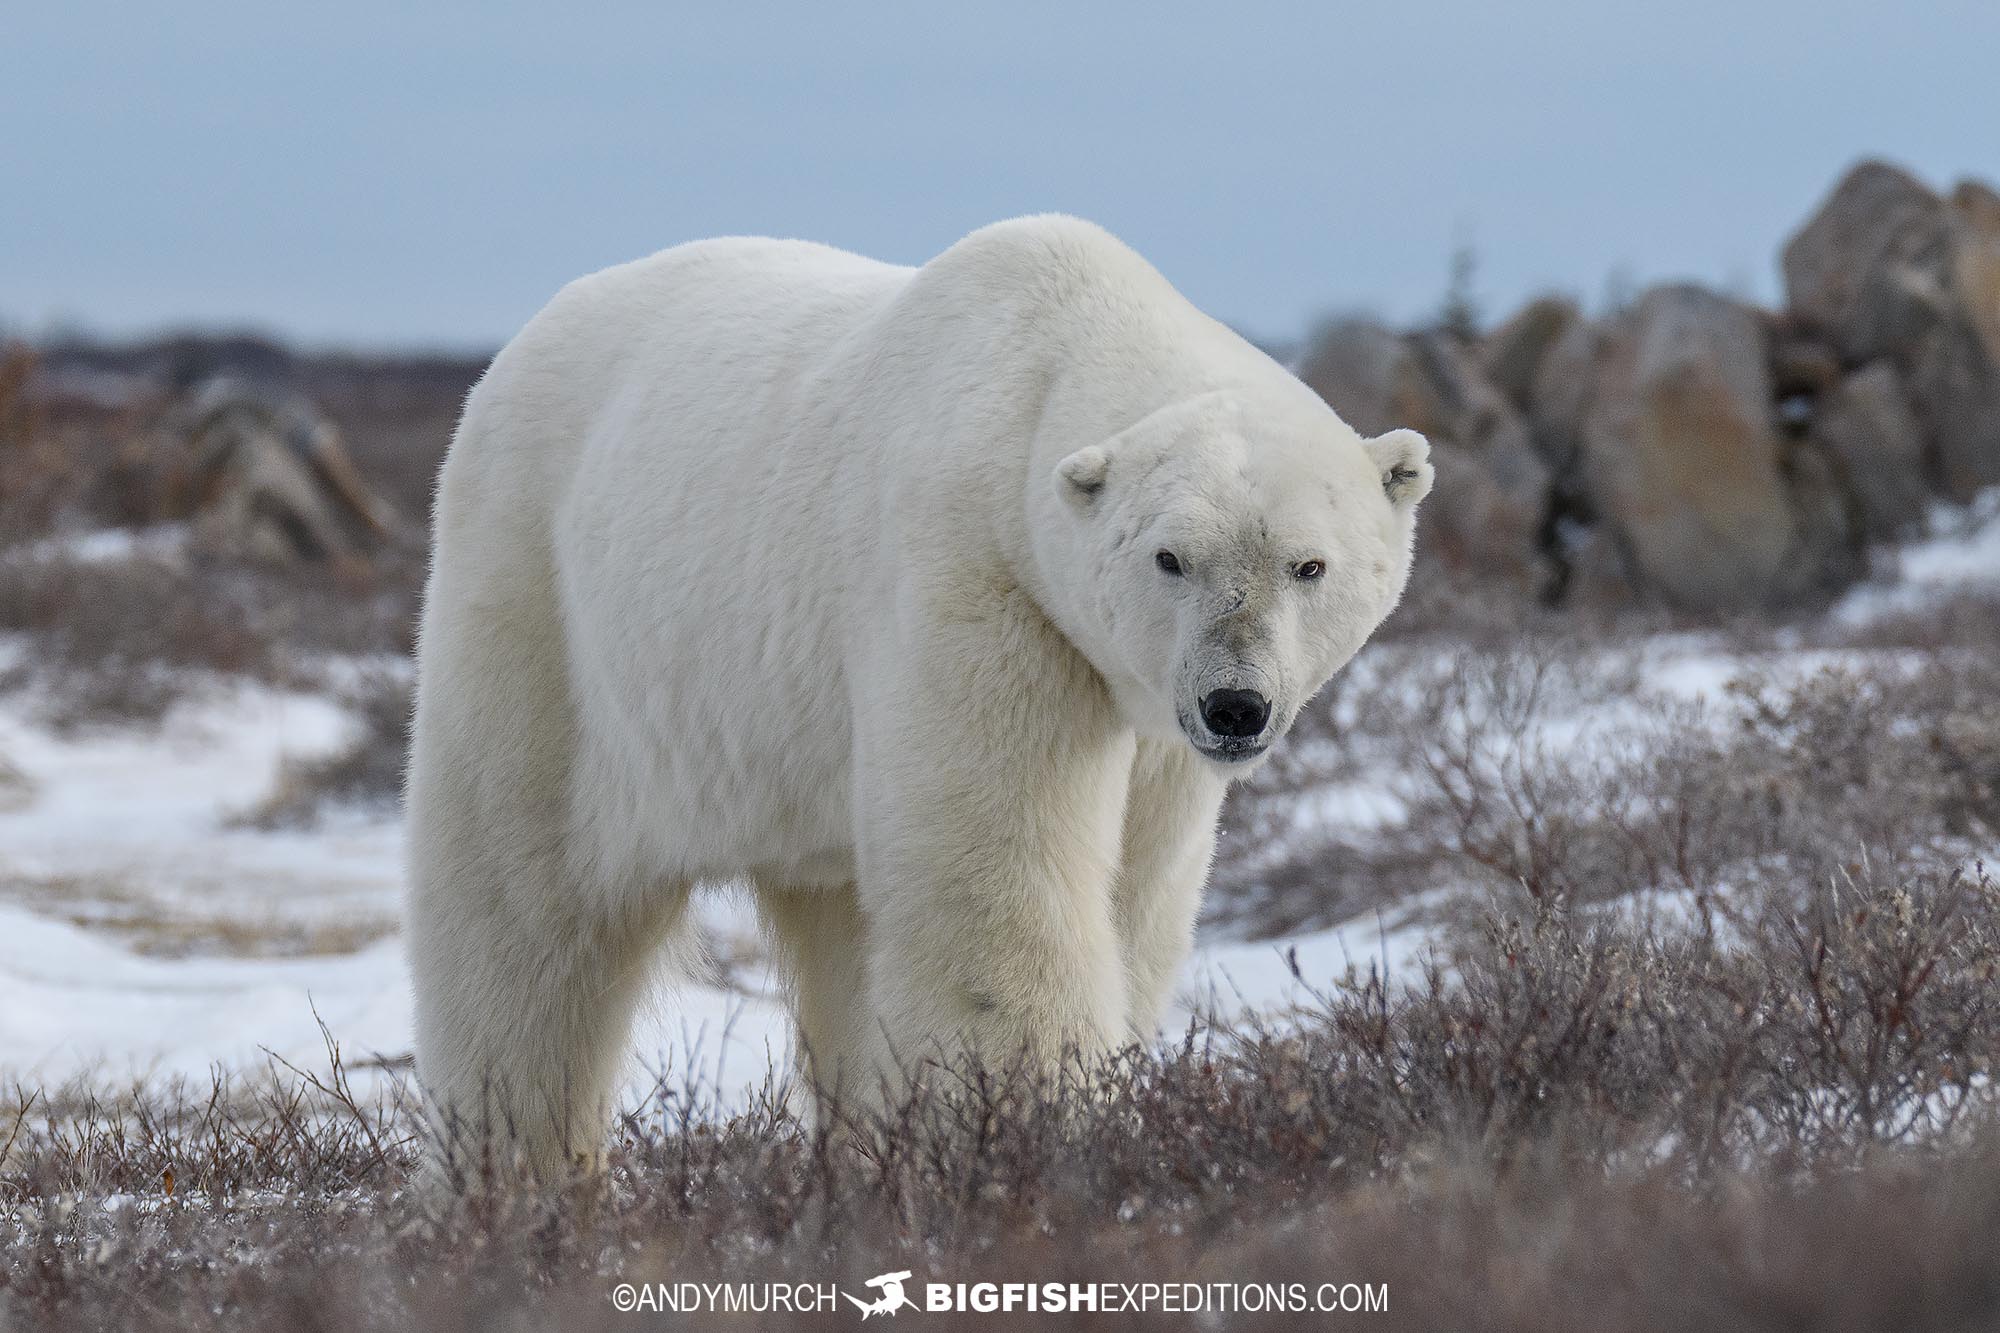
x=1458, y=403
x=1511, y=356
x=1378, y=380
x=1831, y=550
x=1978, y=202
x=1869, y=428
x=1957, y=392
x=1493, y=486
x=1564, y=389
x=1801, y=362
x=1364, y=371
x=1681, y=457
x=1888, y=269
x=1867, y=269
x=270, y=480
x=1955, y=375
x=1474, y=520
x=1482, y=423
x=1430, y=382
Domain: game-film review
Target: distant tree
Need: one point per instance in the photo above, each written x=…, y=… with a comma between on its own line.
x=1459, y=315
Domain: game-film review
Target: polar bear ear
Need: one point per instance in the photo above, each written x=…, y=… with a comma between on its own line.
x=1403, y=457
x=1080, y=477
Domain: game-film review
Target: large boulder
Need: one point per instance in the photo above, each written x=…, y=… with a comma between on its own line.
x=1866, y=268
x=1889, y=269
x=1474, y=520
x=1378, y=379
x=1463, y=406
x=1364, y=371
x=1868, y=426
x=1955, y=374
x=1492, y=484
x=1683, y=459
x=1565, y=388
x=1512, y=355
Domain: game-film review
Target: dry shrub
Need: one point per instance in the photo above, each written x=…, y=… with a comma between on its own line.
x=1581, y=1065
x=1892, y=761
x=120, y=641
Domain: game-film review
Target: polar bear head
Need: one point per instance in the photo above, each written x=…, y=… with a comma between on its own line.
x=1226, y=559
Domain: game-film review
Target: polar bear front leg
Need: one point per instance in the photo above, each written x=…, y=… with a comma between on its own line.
x=990, y=788
x=1169, y=839
x=821, y=943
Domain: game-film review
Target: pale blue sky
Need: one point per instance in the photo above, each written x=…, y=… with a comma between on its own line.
x=429, y=173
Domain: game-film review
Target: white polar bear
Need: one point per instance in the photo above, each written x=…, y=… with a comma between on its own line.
x=940, y=604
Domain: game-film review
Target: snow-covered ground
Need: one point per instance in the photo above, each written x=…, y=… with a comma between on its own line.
x=146, y=930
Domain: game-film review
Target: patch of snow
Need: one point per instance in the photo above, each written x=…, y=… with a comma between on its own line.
x=72, y=1002
x=1961, y=549
x=160, y=541
x=1268, y=978
x=148, y=814
x=1353, y=807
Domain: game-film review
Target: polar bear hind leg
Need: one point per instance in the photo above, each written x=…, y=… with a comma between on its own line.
x=527, y=967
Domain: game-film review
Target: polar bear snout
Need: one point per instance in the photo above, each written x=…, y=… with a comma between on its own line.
x=1235, y=714
x=1233, y=726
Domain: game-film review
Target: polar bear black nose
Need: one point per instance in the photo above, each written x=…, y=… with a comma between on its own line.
x=1235, y=712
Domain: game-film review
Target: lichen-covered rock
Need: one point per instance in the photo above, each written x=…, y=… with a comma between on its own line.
x=270, y=480
x=1474, y=519
x=1564, y=390
x=1955, y=374
x=1364, y=371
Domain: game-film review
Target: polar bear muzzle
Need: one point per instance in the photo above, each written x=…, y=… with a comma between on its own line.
x=1235, y=714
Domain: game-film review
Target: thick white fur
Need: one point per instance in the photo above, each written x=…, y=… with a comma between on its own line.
x=757, y=559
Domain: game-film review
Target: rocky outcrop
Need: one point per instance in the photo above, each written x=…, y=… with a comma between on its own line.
x=1683, y=459
x=1493, y=485
x=1365, y=371
x=1731, y=457
x=270, y=480
x=1512, y=356
x=1865, y=268
x=1887, y=269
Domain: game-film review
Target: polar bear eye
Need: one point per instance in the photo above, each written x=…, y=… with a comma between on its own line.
x=1169, y=562
x=1309, y=569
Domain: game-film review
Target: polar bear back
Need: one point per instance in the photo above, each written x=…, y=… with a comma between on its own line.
x=712, y=479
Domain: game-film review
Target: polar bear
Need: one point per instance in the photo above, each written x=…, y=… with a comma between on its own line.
x=938, y=604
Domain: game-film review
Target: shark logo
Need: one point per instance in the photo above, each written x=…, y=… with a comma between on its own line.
x=892, y=1299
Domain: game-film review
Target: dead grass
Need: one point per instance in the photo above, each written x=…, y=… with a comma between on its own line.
x=119, y=641
x=138, y=920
